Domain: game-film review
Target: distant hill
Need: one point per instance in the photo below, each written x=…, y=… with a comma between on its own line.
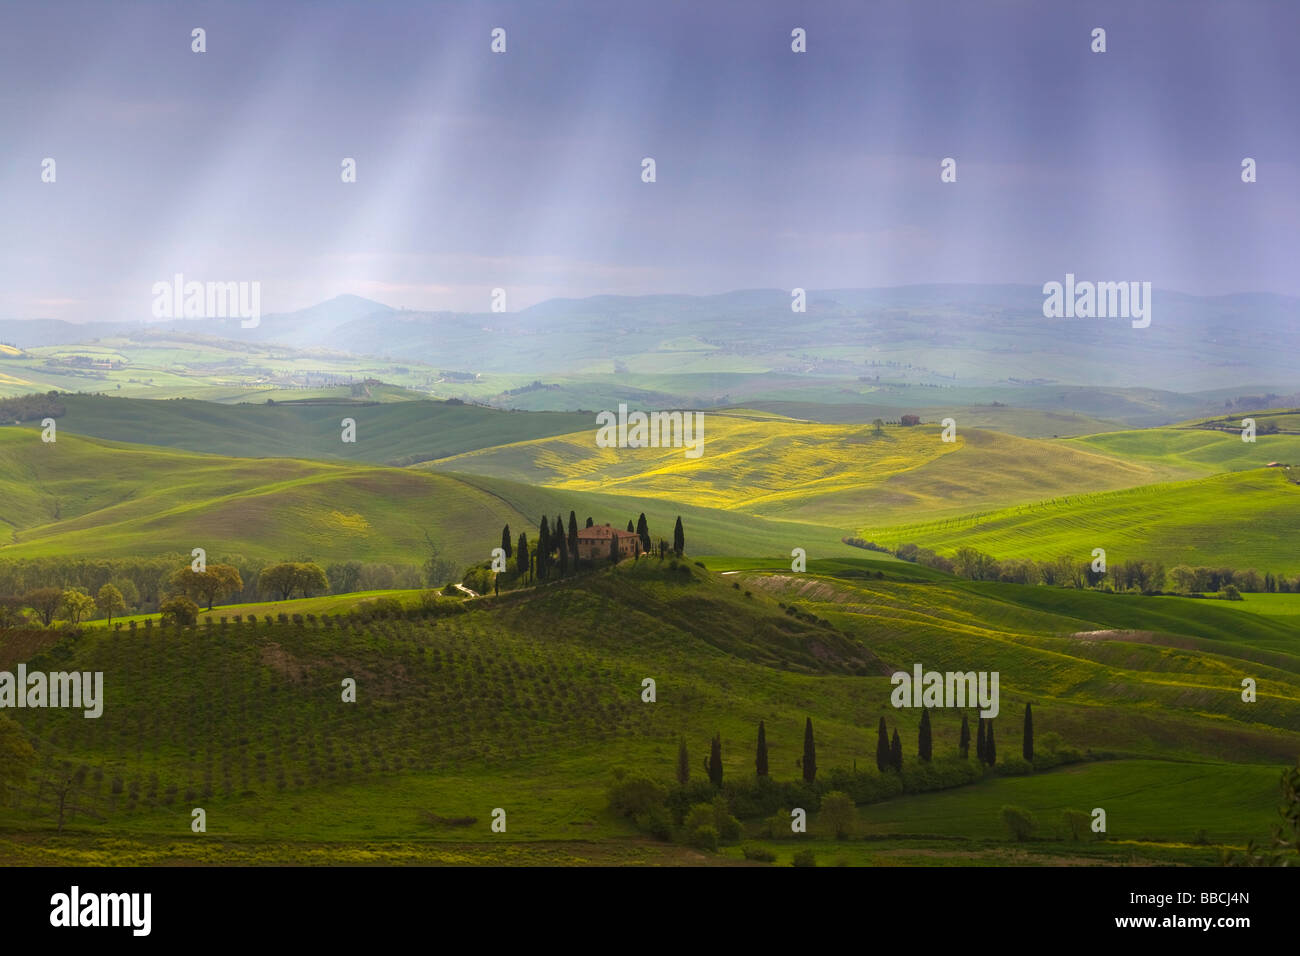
x=394, y=433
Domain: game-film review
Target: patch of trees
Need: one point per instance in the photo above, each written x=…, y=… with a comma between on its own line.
x=705, y=811
x=284, y=579
x=31, y=408
x=1134, y=574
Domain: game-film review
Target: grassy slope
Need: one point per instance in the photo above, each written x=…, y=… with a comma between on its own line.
x=1208, y=452
x=817, y=473
x=1244, y=519
x=93, y=498
x=527, y=703
x=386, y=431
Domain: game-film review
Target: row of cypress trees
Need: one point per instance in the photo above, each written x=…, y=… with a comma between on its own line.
x=556, y=549
x=889, y=751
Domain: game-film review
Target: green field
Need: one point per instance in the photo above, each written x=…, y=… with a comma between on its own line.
x=1246, y=519
x=525, y=702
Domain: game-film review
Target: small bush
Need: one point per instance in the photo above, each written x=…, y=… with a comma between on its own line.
x=1019, y=822
x=705, y=838
x=756, y=851
x=1076, y=823
x=804, y=858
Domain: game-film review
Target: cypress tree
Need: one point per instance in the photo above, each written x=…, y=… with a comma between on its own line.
x=990, y=748
x=564, y=557
x=679, y=538
x=543, y=548
x=1029, y=734
x=980, y=746
x=643, y=530
x=613, y=549
x=924, y=740
x=809, y=752
x=965, y=738
x=573, y=537
x=714, y=763
x=883, y=761
x=505, y=542
x=589, y=521
x=521, y=555
x=896, y=752
x=683, y=764
x=630, y=528
x=760, y=761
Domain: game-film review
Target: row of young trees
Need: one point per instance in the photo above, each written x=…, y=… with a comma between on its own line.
x=889, y=751
x=186, y=591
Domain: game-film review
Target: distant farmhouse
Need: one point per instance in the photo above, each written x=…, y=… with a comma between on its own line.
x=594, y=542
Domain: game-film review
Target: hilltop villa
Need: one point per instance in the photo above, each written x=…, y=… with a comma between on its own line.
x=593, y=542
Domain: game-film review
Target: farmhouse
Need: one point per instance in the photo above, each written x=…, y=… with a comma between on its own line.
x=594, y=542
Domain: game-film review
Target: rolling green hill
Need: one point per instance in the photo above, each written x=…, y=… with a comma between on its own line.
x=1247, y=519
x=1208, y=452
x=526, y=702
x=387, y=432
x=83, y=497
x=839, y=475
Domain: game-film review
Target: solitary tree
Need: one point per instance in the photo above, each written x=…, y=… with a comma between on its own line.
x=679, y=538
x=760, y=760
x=204, y=587
x=896, y=752
x=883, y=760
x=109, y=601
x=714, y=764
x=809, y=762
x=1029, y=734
x=924, y=742
x=308, y=577
x=683, y=763
x=506, y=545
x=45, y=602
x=965, y=738
x=643, y=530
x=77, y=604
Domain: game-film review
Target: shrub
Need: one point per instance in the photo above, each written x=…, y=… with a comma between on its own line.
x=756, y=851
x=838, y=814
x=705, y=838
x=1076, y=823
x=656, y=822
x=1019, y=821
x=178, y=611
x=633, y=796
x=804, y=858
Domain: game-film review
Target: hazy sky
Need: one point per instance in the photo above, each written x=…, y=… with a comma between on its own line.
x=523, y=170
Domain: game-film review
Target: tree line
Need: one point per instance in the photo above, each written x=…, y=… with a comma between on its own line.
x=1134, y=574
